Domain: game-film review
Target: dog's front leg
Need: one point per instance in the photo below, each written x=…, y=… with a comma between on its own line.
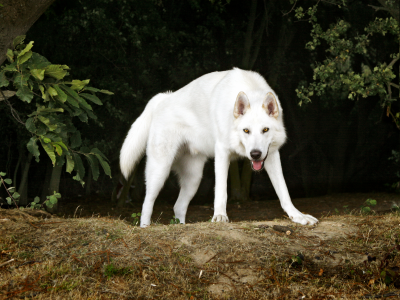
x=222, y=160
x=274, y=170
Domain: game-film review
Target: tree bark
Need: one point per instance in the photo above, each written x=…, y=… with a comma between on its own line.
x=23, y=188
x=16, y=17
x=88, y=188
x=54, y=186
x=47, y=178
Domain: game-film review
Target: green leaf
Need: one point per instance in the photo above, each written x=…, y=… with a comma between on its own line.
x=79, y=84
x=72, y=101
x=30, y=125
x=76, y=97
x=98, y=152
x=38, y=73
x=104, y=164
x=44, y=109
x=60, y=94
x=10, y=55
x=33, y=148
x=38, y=61
x=8, y=180
x=57, y=195
x=16, y=195
x=3, y=174
x=106, y=92
x=89, y=88
x=83, y=117
x=50, y=151
x=58, y=149
x=24, y=58
x=41, y=88
x=26, y=50
x=25, y=94
x=70, y=164
x=11, y=67
x=92, y=98
x=84, y=104
x=79, y=168
x=62, y=145
x=56, y=71
x=94, y=165
x=52, y=92
x=76, y=140
x=36, y=200
x=3, y=79
x=18, y=40
x=53, y=199
x=21, y=80
x=46, y=122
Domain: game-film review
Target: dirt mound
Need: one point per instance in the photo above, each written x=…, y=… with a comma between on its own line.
x=342, y=257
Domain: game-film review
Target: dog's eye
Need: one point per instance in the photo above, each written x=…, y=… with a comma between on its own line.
x=246, y=130
x=265, y=129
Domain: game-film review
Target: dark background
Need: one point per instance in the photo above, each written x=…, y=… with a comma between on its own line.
x=137, y=49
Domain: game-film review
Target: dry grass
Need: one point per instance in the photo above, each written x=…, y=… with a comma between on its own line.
x=344, y=257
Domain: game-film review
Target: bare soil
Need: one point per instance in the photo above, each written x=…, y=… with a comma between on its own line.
x=345, y=256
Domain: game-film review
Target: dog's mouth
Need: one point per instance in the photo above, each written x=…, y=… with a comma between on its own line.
x=258, y=165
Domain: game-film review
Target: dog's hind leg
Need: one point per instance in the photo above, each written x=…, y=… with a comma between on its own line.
x=157, y=172
x=161, y=152
x=190, y=170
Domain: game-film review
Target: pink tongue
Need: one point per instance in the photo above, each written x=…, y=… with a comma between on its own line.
x=257, y=165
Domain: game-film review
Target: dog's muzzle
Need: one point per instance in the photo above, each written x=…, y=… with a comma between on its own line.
x=258, y=165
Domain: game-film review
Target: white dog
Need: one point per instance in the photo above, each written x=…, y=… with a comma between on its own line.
x=223, y=115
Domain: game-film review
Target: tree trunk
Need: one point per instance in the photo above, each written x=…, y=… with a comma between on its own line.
x=240, y=183
x=46, y=181
x=248, y=41
x=88, y=188
x=16, y=17
x=16, y=172
x=54, y=186
x=23, y=188
x=235, y=189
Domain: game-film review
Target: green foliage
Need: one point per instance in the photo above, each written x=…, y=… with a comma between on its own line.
x=52, y=200
x=13, y=195
x=55, y=102
x=36, y=203
x=174, y=220
x=338, y=71
x=136, y=218
x=366, y=209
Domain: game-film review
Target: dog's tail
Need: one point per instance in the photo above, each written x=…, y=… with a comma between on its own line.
x=135, y=142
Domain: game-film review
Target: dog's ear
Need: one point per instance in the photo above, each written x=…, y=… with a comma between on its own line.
x=242, y=104
x=271, y=106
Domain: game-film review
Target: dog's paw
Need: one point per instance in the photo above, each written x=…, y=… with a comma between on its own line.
x=220, y=218
x=303, y=219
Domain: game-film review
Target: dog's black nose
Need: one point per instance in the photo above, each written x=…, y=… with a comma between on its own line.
x=255, y=154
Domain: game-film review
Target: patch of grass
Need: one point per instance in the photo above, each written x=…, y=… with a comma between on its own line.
x=75, y=259
x=111, y=270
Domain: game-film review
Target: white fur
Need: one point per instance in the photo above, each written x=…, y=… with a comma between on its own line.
x=180, y=130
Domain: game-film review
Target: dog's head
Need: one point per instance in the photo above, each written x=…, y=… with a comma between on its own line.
x=260, y=127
